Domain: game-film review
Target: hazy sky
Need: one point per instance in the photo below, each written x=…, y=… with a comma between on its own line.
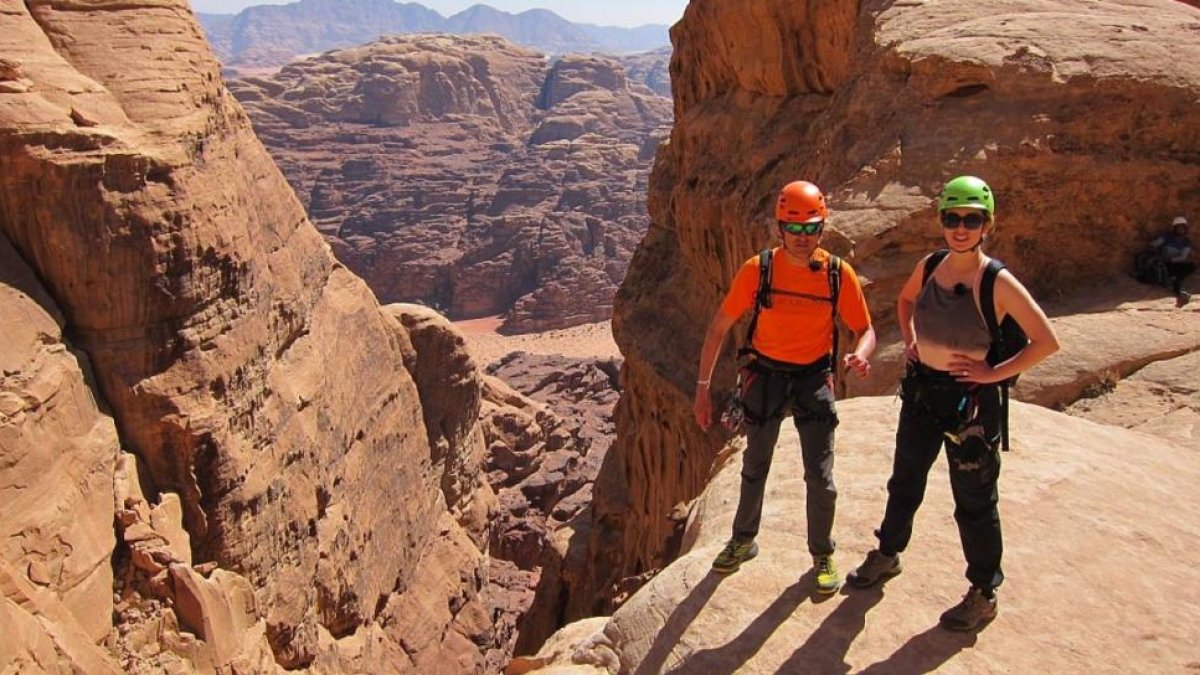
x=601, y=12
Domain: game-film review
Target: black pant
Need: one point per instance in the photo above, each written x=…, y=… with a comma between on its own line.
x=934, y=405
x=1178, y=271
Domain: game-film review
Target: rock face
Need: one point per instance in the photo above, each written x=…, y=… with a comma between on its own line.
x=57, y=452
x=468, y=174
x=271, y=35
x=275, y=411
x=1069, y=488
x=546, y=445
x=651, y=68
x=880, y=103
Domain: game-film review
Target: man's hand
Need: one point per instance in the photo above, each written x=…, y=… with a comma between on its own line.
x=860, y=366
x=702, y=407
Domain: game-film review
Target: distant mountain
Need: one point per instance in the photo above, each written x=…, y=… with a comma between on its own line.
x=271, y=35
x=629, y=40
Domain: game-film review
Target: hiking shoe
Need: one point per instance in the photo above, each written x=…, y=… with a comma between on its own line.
x=826, y=578
x=733, y=555
x=874, y=569
x=973, y=612
x=1183, y=298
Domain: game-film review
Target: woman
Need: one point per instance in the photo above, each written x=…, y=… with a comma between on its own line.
x=952, y=395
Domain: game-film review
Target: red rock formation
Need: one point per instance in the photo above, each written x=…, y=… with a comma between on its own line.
x=545, y=449
x=466, y=173
x=253, y=375
x=1083, y=121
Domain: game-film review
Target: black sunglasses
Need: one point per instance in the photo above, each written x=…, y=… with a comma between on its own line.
x=971, y=221
x=802, y=228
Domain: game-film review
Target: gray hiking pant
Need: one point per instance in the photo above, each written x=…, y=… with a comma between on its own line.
x=809, y=398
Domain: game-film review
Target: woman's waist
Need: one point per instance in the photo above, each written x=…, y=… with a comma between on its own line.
x=939, y=358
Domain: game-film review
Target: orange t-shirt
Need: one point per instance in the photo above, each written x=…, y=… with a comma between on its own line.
x=797, y=328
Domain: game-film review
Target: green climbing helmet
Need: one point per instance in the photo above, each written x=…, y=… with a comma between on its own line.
x=967, y=192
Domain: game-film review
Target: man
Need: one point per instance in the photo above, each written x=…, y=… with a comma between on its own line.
x=791, y=341
x=1175, y=248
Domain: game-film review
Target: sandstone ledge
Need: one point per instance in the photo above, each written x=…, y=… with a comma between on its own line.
x=1082, y=512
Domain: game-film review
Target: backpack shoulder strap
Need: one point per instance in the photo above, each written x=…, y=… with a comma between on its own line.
x=762, y=298
x=835, y=280
x=987, y=302
x=931, y=263
x=987, y=296
x=835, y=292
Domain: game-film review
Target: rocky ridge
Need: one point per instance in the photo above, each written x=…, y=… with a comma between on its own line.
x=271, y=35
x=467, y=173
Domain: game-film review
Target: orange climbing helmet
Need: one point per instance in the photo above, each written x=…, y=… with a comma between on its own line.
x=801, y=202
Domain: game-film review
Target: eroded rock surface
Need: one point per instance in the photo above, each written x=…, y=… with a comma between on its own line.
x=57, y=454
x=276, y=411
x=546, y=444
x=468, y=174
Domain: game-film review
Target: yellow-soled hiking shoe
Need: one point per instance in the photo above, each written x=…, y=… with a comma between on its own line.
x=825, y=574
x=733, y=555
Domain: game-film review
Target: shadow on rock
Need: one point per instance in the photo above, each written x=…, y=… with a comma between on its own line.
x=825, y=650
x=734, y=654
x=924, y=653
x=677, y=624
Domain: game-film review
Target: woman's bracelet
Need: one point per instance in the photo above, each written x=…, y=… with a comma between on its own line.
x=704, y=382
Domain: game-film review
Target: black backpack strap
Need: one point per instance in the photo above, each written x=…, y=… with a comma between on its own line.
x=931, y=263
x=762, y=298
x=987, y=297
x=835, y=292
x=987, y=306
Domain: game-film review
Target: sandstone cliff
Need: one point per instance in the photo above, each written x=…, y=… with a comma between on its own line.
x=306, y=484
x=1084, y=121
x=468, y=174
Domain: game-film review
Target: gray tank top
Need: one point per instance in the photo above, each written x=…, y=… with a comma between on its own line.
x=950, y=320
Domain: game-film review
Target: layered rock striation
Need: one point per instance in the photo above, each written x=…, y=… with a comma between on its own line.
x=467, y=173
x=217, y=452
x=1083, y=121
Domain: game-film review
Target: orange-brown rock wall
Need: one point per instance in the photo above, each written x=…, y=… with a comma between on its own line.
x=1084, y=122
x=252, y=373
x=57, y=452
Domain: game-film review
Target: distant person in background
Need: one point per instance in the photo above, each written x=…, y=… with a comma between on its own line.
x=792, y=346
x=1175, y=249
x=953, y=395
